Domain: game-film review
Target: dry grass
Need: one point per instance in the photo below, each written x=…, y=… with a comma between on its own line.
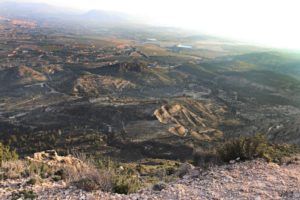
x=22, y=169
x=87, y=175
x=252, y=147
x=83, y=173
x=12, y=169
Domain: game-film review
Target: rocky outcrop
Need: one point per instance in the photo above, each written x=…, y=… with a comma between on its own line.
x=29, y=74
x=21, y=75
x=93, y=85
x=200, y=121
x=51, y=158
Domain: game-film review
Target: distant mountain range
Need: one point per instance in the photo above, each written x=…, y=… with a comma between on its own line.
x=106, y=16
x=40, y=12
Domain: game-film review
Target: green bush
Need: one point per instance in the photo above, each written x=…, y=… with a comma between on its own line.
x=248, y=148
x=56, y=178
x=40, y=169
x=6, y=154
x=125, y=184
x=24, y=194
x=125, y=180
x=32, y=181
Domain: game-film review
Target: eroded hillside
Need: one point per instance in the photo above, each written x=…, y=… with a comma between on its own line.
x=120, y=96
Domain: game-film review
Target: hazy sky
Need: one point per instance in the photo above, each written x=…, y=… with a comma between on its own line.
x=270, y=22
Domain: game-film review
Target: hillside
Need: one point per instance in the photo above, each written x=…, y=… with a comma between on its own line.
x=248, y=180
x=95, y=105
x=109, y=92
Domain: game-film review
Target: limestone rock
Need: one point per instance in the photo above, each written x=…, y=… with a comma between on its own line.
x=51, y=158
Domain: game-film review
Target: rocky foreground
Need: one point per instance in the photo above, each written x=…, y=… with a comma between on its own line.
x=248, y=180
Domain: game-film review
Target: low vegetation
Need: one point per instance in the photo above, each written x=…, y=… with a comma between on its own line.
x=206, y=159
x=24, y=194
x=15, y=169
x=131, y=177
x=251, y=147
x=7, y=154
x=91, y=174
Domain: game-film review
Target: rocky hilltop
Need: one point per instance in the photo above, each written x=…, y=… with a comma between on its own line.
x=255, y=179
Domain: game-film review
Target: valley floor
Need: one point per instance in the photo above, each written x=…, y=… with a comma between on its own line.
x=248, y=180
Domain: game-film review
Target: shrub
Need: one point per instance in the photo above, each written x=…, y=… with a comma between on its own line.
x=87, y=184
x=24, y=194
x=206, y=159
x=56, y=178
x=21, y=168
x=159, y=186
x=248, y=148
x=12, y=169
x=170, y=171
x=6, y=154
x=60, y=174
x=32, y=181
x=124, y=180
x=40, y=169
x=126, y=183
x=93, y=180
x=87, y=176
